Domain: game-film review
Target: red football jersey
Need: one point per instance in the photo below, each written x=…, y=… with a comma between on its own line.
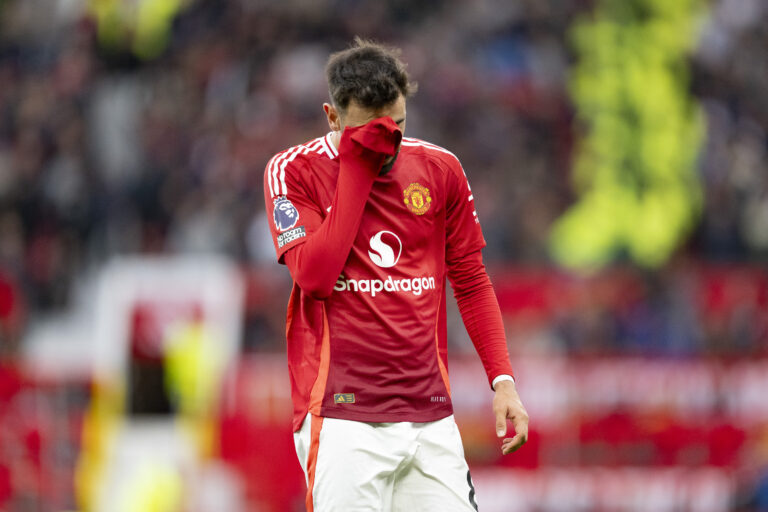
x=375, y=350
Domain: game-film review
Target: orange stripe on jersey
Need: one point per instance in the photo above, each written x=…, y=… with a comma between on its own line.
x=318, y=389
x=314, y=447
x=440, y=364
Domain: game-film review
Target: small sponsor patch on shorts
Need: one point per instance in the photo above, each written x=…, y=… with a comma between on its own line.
x=290, y=236
x=344, y=398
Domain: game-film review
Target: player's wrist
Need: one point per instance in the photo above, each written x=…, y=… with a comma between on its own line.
x=503, y=380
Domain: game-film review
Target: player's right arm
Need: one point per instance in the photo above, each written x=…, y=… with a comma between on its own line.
x=316, y=258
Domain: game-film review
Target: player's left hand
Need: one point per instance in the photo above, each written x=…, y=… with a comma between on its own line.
x=508, y=406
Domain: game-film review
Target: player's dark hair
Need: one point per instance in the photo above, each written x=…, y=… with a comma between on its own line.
x=369, y=73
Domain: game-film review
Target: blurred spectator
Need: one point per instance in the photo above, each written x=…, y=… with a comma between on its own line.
x=11, y=316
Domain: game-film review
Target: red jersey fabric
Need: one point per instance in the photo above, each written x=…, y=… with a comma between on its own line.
x=366, y=326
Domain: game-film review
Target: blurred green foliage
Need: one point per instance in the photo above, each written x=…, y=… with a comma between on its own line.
x=142, y=27
x=639, y=134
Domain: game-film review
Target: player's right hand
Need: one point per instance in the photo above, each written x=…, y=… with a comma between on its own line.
x=377, y=139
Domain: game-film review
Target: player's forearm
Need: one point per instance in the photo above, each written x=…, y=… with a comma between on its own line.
x=316, y=264
x=482, y=317
x=480, y=312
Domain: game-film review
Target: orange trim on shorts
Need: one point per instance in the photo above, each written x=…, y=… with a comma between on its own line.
x=314, y=446
x=318, y=389
x=440, y=364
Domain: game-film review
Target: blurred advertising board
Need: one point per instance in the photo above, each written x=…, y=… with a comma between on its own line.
x=606, y=434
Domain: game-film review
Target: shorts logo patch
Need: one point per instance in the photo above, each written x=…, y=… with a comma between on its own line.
x=416, y=197
x=285, y=214
x=290, y=236
x=344, y=398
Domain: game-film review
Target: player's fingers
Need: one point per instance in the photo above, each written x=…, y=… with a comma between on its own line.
x=501, y=423
x=513, y=444
x=521, y=433
x=520, y=422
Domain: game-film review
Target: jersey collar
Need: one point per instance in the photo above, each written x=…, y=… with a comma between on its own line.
x=333, y=153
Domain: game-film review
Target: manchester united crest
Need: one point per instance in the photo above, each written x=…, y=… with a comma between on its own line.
x=417, y=198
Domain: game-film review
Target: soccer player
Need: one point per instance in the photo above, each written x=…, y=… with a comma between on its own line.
x=370, y=223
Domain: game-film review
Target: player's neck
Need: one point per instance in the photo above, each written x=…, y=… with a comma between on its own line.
x=336, y=139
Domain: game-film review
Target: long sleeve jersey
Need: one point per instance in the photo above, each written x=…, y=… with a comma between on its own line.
x=369, y=254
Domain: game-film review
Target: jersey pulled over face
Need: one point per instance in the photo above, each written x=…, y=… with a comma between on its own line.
x=356, y=115
x=375, y=350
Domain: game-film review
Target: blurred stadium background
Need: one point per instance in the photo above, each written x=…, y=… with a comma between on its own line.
x=617, y=150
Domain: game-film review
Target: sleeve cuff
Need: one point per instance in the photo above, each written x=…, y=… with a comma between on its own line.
x=501, y=378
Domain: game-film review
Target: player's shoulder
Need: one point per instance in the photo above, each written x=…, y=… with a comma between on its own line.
x=290, y=162
x=432, y=152
x=319, y=147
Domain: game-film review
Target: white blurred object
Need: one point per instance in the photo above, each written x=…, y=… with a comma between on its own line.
x=218, y=487
x=114, y=119
x=699, y=489
x=212, y=282
x=147, y=458
x=138, y=460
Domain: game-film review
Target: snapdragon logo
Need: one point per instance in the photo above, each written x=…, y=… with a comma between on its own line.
x=382, y=252
x=385, y=252
x=415, y=285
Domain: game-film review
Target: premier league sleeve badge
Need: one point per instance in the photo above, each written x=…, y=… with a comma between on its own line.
x=285, y=214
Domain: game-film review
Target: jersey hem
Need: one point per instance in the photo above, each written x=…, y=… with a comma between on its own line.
x=389, y=417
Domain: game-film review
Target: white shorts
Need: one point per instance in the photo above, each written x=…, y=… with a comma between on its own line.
x=404, y=466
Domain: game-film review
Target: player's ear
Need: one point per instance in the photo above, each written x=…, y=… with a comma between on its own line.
x=334, y=120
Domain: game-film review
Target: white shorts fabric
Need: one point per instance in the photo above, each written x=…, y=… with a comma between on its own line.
x=382, y=467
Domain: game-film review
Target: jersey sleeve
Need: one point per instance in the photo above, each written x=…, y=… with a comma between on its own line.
x=463, y=233
x=291, y=211
x=481, y=314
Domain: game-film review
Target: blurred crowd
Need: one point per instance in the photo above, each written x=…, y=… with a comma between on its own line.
x=728, y=78
x=102, y=153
